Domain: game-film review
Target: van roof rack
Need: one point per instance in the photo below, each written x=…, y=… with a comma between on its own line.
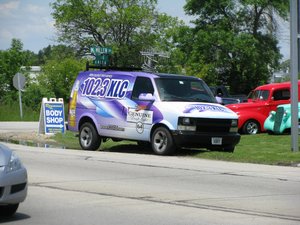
x=101, y=67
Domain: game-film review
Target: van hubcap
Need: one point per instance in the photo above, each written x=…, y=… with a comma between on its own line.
x=86, y=136
x=160, y=141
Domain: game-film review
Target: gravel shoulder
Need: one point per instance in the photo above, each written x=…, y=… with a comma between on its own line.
x=20, y=132
x=29, y=137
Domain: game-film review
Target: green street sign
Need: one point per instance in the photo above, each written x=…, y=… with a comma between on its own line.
x=101, y=60
x=102, y=55
x=101, y=50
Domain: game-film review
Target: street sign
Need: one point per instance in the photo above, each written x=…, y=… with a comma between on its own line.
x=102, y=60
x=19, y=81
x=102, y=55
x=101, y=50
x=52, y=117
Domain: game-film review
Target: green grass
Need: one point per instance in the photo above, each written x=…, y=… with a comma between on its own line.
x=12, y=113
x=260, y=148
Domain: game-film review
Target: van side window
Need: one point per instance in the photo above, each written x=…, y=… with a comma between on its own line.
x=281, y=94
x=142, y=85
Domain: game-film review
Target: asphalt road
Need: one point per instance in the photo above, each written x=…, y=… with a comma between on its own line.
x=82, y=187
x=18, y=126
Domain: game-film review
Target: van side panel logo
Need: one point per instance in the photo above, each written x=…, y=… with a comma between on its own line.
x=143, y=116
x=204, y=108
x=104, y=87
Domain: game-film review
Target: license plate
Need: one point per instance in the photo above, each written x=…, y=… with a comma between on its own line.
x=216, y=141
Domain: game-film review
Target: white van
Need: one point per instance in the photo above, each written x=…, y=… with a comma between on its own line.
x=164, y=110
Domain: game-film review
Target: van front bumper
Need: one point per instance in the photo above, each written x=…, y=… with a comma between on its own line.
x=205, y=140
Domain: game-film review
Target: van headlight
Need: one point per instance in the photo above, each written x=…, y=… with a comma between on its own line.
x=186, y=124
x=186, y=121
x=234, y=126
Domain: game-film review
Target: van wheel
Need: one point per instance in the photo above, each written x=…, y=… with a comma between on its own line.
x=251, y=127
x=88, y=137
x=162, y=141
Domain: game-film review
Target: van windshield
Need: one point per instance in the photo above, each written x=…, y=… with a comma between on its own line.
x=178, y=89
x=259, y=95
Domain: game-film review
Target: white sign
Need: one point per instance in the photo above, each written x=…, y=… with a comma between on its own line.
x=143, y=116
x=19, y=81
x=52, y=117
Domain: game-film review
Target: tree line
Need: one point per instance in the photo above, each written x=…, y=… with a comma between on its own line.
x=228, y=42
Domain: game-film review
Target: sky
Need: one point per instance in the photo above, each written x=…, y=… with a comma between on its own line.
x=31, y=22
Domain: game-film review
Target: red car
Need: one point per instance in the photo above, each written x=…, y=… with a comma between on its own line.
x=261, y=101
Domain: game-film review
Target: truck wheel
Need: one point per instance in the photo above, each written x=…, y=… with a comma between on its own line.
x=88, y=137
x=251, y=127
x=162, y=141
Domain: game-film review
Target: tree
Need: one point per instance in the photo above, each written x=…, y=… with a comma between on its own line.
x=59, y=70
x=11, y=61
x=234, y=42
x=104, y=23
x=55, y=52
x=34, y=94
x=43, y=55
x=128, y=26
x=58, y=76
x=166, y=33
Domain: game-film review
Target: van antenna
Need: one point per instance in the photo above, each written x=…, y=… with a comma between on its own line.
x=150, y=58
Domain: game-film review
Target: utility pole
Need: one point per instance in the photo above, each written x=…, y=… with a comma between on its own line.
x=295, y=51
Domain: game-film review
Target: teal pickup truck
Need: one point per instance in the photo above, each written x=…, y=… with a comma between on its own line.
x=280, y=121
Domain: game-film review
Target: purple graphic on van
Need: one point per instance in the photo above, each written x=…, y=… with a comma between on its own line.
x=204, y=107
x=104, y=88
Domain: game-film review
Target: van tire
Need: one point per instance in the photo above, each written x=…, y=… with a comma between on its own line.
x=88, y=137
x=162, y=141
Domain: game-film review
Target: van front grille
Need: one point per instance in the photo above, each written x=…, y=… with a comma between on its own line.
x=213, y=125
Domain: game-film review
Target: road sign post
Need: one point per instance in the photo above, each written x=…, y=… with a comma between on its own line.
x=19, y=83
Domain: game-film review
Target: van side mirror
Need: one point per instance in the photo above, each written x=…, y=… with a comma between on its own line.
x=146, y=97
x=219, y=100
